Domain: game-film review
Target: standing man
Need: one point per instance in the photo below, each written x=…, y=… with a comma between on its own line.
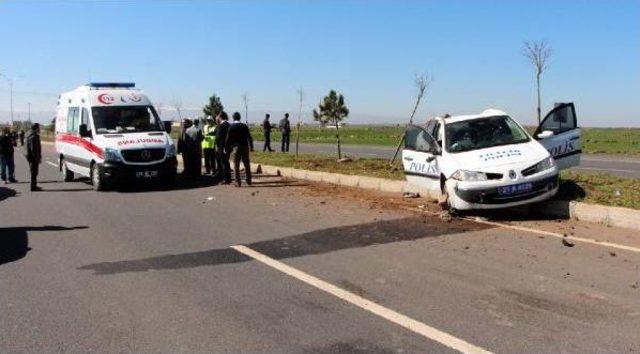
x=34, y=155
x=285, y=130
x=21, y=137
x=193, y=145
x=7, y=163
x=240, y=142
x=186, y=124
x=224, y=169
x=208, y=145
x=266, y=128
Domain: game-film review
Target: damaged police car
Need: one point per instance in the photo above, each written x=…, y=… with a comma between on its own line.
x=488, y=160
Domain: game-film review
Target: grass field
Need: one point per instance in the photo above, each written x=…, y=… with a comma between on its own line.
x=591, y=188
x=619, y=141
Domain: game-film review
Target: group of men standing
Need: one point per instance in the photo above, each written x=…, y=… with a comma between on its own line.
x=285, y=132
x=33, y=153
x=217, y=141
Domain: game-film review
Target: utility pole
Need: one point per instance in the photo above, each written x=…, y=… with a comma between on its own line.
x=29, y=115
x=10, y=80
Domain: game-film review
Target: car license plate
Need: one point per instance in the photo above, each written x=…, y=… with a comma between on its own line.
x=515, y=189
x=146, y=174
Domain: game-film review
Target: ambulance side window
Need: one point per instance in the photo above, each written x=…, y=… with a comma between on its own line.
x=85, y=117
x=72, y=119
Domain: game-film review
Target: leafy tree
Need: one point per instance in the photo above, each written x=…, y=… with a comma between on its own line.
x=332, y=111
x=214, y=107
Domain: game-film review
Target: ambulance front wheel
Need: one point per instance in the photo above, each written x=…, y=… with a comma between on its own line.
x=97, y=180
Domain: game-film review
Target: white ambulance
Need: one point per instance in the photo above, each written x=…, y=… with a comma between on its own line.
x=110, y=132
x=488, y=161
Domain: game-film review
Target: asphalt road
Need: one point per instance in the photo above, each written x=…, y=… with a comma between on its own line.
x=617, y=165
x=149, y=270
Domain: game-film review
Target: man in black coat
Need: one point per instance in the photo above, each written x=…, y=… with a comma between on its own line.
x=266, y=128
x=192, y=152
x=239, y=141
x=285, y=131
x=224, y=168
x=7, y=164
x=34, y=155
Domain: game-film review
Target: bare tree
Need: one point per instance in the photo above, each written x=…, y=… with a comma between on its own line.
x=300, y=99
x=245, y=101
x=538, y=53
x=422, y=82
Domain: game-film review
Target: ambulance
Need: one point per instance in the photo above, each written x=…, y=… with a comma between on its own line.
x=488, y=160
x=111, y=133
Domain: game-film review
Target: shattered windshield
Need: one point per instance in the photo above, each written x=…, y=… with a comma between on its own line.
x=482, y=133
x=125, y=119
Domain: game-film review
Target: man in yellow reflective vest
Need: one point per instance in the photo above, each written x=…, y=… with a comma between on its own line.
x=208, y=145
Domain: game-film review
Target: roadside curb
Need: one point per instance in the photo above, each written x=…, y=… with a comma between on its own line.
x=601, y=214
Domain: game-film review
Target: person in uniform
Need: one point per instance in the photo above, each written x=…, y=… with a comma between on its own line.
x=285, y=130
x=224, y=169
x=208, y=146
x=266, y=128
x=193, y=146
x=34, y=155
x=239, y=142
x=7, y=162
x=21, y=137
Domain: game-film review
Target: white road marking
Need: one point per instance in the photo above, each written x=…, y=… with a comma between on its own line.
x=52, y=164
x=557, y=235
x=388, y=314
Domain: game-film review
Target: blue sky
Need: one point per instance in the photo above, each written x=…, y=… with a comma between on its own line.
x=367, y=50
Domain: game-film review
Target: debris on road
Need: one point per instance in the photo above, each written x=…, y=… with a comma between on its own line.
x=612, y=254
x=446, y=216
x=566, y=242
x=410, y=195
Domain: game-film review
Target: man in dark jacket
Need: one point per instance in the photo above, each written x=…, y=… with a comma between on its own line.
x=7, y=144
x=285, y=131
x=239, y=141
x=21, y=135
x=224, y=169
x=192, y=153
x=266, y=128
x=34, y=155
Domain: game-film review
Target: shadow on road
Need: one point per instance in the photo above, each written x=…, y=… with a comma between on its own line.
x=6, y=193
x=14, y=242
x=310, y=243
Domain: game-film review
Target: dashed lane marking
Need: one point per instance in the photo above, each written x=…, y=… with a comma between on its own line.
x=52, y=164
x=367, y=305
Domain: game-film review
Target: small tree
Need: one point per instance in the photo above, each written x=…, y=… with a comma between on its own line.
x=538, y=53
x=177, y=104
x=214, y=107
x=332, y=111
x=245, y=101
x=300, y=98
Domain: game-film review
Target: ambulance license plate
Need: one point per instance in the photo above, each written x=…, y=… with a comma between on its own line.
x=515, y=189
x=146, y=174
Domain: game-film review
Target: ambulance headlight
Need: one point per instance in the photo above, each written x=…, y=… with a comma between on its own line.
x=464, y=175
x=171, y=151
x=111, y=155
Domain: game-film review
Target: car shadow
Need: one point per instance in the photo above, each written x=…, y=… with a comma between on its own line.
x=6, y=193
x=14, y=241
x=309, y=243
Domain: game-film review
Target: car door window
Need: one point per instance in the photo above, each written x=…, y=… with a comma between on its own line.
x=561, y=119
x=418, y=139
x=437, y=133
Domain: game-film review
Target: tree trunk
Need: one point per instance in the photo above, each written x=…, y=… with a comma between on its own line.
x=338, y=137
x=538, y=89
x=297, y=137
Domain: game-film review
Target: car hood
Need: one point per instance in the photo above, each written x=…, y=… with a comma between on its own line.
x=134, y=140
x=500, y=157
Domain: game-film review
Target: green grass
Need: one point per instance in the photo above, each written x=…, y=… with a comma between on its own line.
x=618, y=141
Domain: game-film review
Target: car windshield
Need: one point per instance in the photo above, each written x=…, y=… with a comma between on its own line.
x=125, y=119
x=482, y=133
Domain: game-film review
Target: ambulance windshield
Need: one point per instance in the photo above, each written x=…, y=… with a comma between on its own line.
x=482, y=133
x=125, y=119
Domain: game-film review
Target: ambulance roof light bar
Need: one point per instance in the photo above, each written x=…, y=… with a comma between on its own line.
x=99, y=85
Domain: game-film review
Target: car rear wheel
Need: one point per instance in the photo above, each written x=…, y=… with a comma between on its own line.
x=67, y=174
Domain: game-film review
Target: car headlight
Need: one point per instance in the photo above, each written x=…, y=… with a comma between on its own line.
x=171, y=151
x=545, y=164
x=111, y=155
x=464, y=175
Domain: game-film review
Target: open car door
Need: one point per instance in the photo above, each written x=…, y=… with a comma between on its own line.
x=560, y=135
x=420, y=158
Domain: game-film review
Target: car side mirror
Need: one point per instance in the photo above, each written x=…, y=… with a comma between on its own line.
x=84, y=131
x=167, y=126
x=545, y=134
